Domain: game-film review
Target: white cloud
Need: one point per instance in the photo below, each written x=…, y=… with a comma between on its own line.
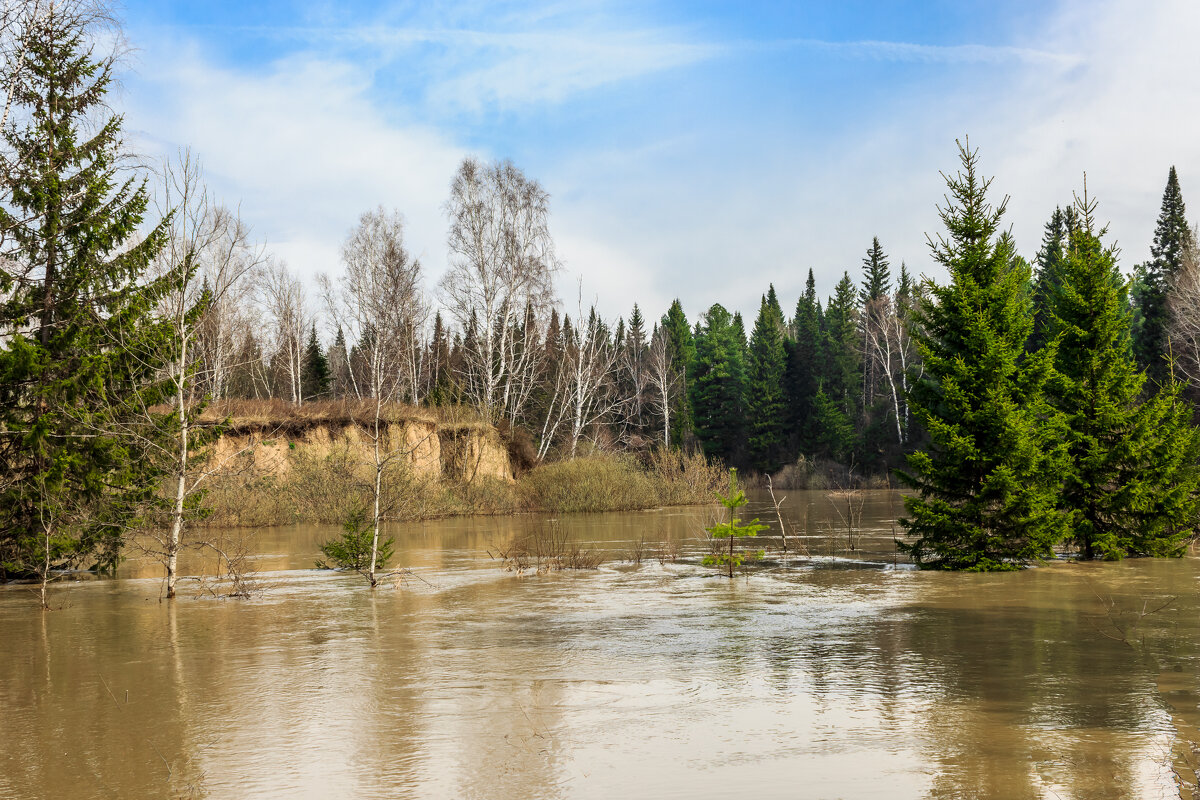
x=1104, y=87
x=299, y=146
x=718, y=225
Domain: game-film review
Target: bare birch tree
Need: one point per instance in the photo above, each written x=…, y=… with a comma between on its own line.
x=206, y=261
x=502, y=263
x=1184, y=307
x=664, y=381
x=378, y=304
x=589, y=361
x=281, y=298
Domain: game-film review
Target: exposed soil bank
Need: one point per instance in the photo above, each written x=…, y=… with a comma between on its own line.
x=277, y=464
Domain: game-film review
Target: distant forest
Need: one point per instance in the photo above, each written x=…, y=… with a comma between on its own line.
x=825, y=380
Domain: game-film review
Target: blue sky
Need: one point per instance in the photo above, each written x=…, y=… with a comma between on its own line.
x=695, y=150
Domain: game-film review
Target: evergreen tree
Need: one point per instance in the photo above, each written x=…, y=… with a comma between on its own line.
x=632, y=376
x=1131, y=488
x=877, y=279
x=1048, y=276
x=440, y=377
x=805, y=361
x=1172, y=237
x=339, y=366
x=315, y=377
x=765, y=402
x=739, y=328
x=682, y=346
x=75, y=322
x=904, y=287
x=734, y=529
x=716, y=385
x=832, y=433
x=987, y=487
x=843, y=351
x=875, y=296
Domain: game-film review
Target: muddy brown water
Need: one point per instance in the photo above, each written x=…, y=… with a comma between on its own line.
x=844, y=674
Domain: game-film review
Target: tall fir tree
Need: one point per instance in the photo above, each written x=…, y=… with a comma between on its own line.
x=632, y=374
x=766, y=406
x=804, y=368
x=739, y=328
x=75, y=324
x=1048, y=273
x=339, y=366
x=681, y=344
x=440, y=373
x=1172, y=237
x=877, y=277
x=1129, y=491
x=315, y=376
x=717, y=385
x=843, y=350
x=832, y=434
x=987, y=486
x=876, y=300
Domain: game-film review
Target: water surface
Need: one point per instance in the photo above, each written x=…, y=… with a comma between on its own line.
x=839, y=673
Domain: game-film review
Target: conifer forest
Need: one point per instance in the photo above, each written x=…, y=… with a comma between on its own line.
x=526, y=503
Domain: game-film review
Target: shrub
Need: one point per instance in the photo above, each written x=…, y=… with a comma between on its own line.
x=352, y=550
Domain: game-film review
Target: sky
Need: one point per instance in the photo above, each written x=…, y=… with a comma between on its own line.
x=694, y=150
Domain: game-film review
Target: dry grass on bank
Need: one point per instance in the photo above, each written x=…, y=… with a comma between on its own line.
x=326, y=489
x=283, y=417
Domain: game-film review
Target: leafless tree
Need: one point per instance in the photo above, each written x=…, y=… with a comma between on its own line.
x=378, y=305
x=588, y=363
x=502, y=263
x=1184, y=307
x=664, y=380
x=205, y=262
x=634, y=370
x=281, y=298
x=888, y=351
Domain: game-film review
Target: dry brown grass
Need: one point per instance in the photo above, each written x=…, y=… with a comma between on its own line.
x=325, y=488
x=246, y=415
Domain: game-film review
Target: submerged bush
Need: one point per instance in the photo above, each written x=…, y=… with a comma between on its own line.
x=352, y=550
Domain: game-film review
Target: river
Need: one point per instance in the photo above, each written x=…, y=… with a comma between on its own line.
x=826, y=672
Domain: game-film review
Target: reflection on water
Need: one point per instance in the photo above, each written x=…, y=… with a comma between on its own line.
x=804, y=678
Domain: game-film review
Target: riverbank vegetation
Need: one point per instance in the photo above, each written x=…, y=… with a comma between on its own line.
x=328, y=488
x=1032, y=405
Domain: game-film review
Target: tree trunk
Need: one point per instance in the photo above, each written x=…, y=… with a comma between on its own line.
x=375, y=516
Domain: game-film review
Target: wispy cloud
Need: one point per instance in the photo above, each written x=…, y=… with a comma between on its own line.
x=931, y=53
x=481, y=69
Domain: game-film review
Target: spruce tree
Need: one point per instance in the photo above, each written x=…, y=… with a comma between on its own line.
x=634, y=367
x=843, y=350
x=1131, y=486
x=1048, y=275
x=1172, y=237
x=716, y=385
x=682, y=346
x=315, y=374
x=765, y=402
x=75, y=324
x=805, y=360
x=832, y=434
x=875, y=296
x=987, y=487
x=877, y=279
x=440, y=378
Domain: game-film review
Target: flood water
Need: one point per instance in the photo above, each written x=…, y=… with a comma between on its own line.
x=840, y=674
